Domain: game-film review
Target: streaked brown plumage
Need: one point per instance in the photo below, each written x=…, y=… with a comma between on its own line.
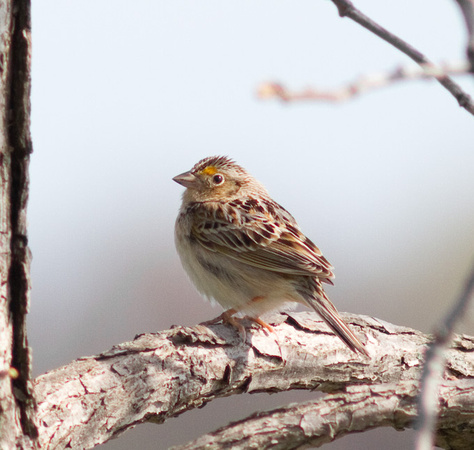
x=247, y=252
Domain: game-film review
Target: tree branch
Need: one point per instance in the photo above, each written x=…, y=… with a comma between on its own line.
x=160, y=375
x=17, y=428
x=428, y=404
x=347, y=9
x=361, y=85
x=359, y=408
x=467, y=9
x=19, y=281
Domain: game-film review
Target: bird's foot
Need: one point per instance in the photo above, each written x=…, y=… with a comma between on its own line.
x=262, y=323
x=227, y=317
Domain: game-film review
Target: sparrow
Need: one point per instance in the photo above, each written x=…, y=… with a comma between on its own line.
x=243, y=250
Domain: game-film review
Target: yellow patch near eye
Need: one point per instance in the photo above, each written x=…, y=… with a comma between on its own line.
x=209, y=170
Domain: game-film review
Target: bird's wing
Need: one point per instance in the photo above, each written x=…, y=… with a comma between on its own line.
x=263, y=235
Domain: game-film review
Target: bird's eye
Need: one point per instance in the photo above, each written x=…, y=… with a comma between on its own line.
x=218, y=179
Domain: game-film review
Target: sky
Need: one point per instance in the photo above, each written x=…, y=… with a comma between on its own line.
x=126, y=95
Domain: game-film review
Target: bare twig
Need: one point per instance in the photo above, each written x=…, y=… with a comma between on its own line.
x=358, y=409
x=347, y=9
x=467, y=8
x=434, y=367
x=363, y=84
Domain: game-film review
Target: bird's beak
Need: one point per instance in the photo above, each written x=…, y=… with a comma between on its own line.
x=186, y=179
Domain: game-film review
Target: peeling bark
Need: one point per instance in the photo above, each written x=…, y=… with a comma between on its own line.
x=161, y=375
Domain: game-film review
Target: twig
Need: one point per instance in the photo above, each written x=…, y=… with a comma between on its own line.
x=467, y=9
x=428, y=404
x=347, y=9
x=363, y=84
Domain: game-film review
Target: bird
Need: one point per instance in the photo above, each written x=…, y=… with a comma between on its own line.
x=246, y=252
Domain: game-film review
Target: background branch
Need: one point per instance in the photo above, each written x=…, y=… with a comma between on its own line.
x=158, y=376
x=467, y=9
x=363, y=84
x=347, y=9
x=429, y=401
x=359, y=408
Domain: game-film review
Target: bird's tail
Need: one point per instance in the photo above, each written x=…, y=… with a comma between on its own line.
x=320, y=302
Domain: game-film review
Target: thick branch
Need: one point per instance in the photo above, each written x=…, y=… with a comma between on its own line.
x=16, y=404
x=161, y=375
x=358, y=409
x=21, y=148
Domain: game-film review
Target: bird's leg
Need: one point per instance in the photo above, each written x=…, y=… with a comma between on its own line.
x=257, y=320
x=261, y=323
x=226, y=317
x=264, y=324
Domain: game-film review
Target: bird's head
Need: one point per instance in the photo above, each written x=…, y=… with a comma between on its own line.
x=217, y=178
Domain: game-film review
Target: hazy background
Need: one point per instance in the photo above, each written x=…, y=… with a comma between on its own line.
x=128, y=94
